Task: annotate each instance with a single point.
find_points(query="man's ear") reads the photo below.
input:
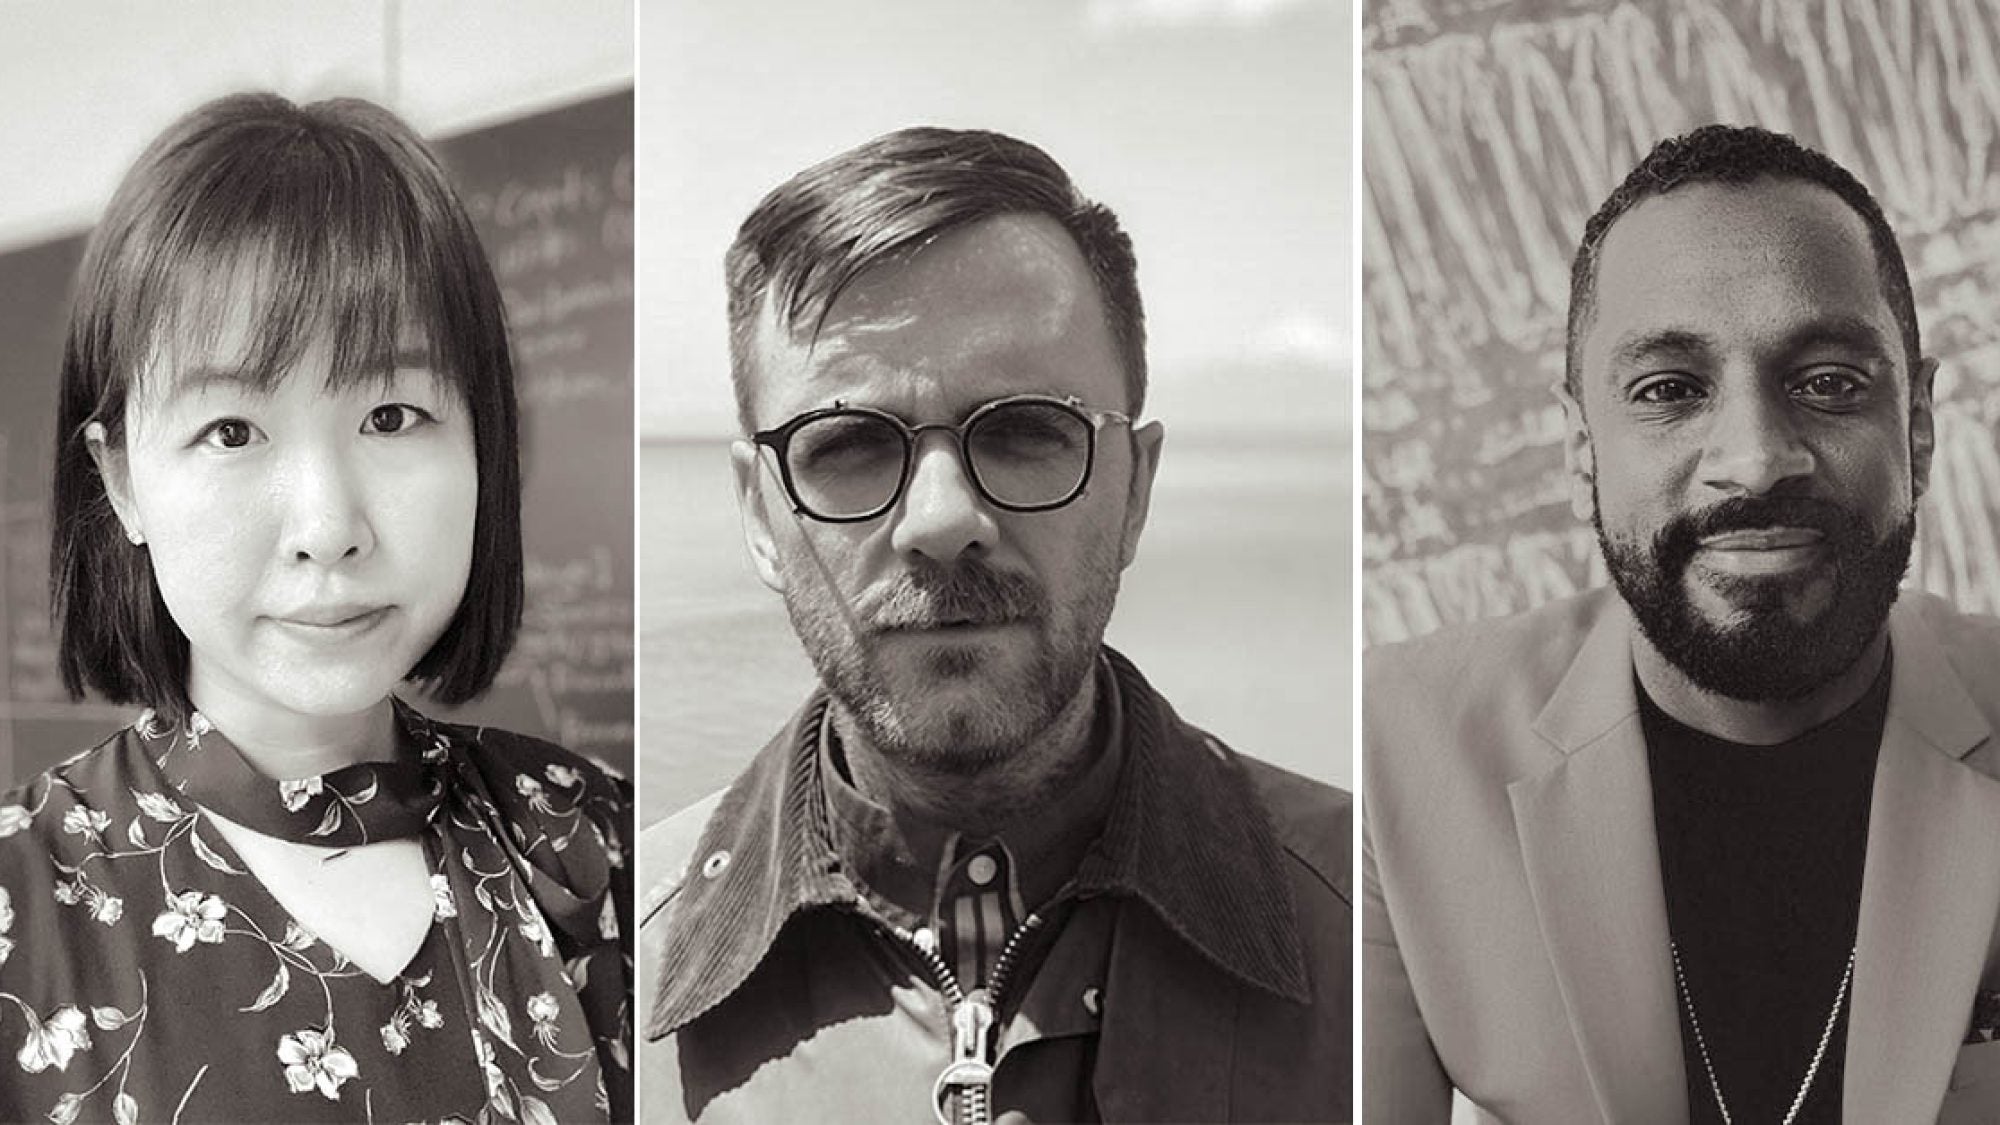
(113, 469)
(1579, 457)
(746, 460)
(1146, 443)
(1923, 425)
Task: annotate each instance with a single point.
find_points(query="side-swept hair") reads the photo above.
(1731, 154)
(808, 240)
(329, 224)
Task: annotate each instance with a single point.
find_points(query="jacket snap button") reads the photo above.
(982, 869)
(715, 865)
(1093, 1001)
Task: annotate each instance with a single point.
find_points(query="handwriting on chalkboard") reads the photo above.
(1493, 130)
(561, 245)
(31, 642)
(554, 207)
(575, 649)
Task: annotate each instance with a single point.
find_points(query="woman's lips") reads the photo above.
(333, 622)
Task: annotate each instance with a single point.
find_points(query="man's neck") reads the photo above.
(984, 803)
(1753, 723)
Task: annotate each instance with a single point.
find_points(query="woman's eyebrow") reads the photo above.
(199, 380)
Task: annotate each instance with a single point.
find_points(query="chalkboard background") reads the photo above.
(1491, 131)
(552, 197)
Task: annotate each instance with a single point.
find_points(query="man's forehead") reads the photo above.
(1005, 299)
(1721, 257)
(1800, 212)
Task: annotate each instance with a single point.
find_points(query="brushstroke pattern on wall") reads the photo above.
(1493, 128)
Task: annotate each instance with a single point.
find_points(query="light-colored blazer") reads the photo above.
(1513, 925)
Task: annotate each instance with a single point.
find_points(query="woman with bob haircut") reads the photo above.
(286, 481)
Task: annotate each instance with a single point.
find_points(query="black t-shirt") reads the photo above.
(1761, 854)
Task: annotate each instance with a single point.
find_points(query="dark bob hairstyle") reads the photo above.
(329, 224)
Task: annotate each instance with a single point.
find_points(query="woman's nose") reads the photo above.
(326, 512)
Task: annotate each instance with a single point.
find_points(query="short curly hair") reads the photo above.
(814, 234)
(1732, 154)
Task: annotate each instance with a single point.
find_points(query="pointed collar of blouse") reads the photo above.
(351, 806)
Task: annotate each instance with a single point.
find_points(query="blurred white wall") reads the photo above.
(86, 83)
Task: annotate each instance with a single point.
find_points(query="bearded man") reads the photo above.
(985, 873)
(1722, 843)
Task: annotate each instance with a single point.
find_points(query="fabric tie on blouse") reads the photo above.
(370, 802)
(365, 803)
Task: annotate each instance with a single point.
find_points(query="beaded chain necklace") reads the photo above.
(1812, 1068)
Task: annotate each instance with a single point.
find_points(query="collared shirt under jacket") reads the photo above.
(1216, 902)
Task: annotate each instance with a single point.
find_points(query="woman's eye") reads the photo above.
(229, 433)
(395, 417)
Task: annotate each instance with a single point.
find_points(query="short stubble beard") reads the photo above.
(909, 726)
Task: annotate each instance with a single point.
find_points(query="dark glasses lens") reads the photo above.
(1029, 454)
(1025, 454)
(845, 465)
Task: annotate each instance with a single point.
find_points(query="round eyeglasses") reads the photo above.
(1024, 453)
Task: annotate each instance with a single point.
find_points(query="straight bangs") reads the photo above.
(317, 255)
(253, 232)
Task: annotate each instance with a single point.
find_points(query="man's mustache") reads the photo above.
(1677, 542)
(968, 592)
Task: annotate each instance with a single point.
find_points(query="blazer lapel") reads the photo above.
(1930, 891)
(1593, 868)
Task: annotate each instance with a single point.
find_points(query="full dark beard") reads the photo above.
(1765, 652)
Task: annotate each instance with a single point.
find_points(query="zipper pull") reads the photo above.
(969, 1075)
(969, 1025)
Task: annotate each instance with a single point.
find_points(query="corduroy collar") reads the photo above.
(1186, 835)
(903, 864)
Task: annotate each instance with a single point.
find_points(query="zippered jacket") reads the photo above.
(1199, 969)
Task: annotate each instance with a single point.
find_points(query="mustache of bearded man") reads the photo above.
(965, 593)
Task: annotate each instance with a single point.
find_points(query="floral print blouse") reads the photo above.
(147, 975)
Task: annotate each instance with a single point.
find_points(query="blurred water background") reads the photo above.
(1219, 131)
(1237, 608)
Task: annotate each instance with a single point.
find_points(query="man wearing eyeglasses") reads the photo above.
(985, 873)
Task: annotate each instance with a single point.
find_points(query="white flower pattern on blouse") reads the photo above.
(312, 1062)
(191, 917)
(295, 793)
(145, 974)
(53, 1041)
